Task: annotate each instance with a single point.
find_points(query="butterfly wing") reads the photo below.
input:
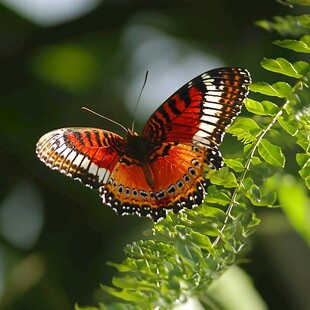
(86, 154)
(200, 111)
(186, 131)
(178, 183)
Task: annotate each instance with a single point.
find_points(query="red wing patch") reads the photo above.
(86, 154)
(202, 109)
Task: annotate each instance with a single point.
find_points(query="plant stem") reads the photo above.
(245, 171)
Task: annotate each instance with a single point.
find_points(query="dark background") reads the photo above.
(55, 235)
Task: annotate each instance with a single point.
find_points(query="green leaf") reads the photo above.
(261, 108)
(302, 46)
(304, 20)
(134, 295)
(290, 127)
(245, 129)
(223, 177)
(256, 160)
(234, 164)
(279, 89)
(281, 65)
(271, 153)
(261, 197)
(296, 205)
(303, 160)
(304, 141)
(201, 240)
(247, 149)
(288, 25)
(191, 254)
(128, 282)
(215, 214)
(218, 197)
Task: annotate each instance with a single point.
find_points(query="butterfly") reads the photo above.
(164, 167)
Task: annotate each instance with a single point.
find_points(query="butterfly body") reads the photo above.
(162, 168)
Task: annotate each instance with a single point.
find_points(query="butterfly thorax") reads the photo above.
(136, 146)
(139, 149)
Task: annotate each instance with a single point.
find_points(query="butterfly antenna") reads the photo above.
(136, 108)
(105, 117)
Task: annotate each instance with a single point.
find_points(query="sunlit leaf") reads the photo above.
(301, 46)
(224, 177)
(245, 129)
(262, 197)
(218, 198)
(261, 108)
(133, 295)
(128, 282)
(281, 65)
(303, 160)
(190, 253)
(289, 126)
(304, 20)
(234, 164)
(201, 240)
(271, 153)
(211, 212)
(247, 149)
(279, 89)
(287, 25)
(256, 160)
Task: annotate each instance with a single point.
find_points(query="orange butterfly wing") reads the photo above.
(178, 183)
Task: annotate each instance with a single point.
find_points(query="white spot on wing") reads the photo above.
(209, 119)
(72, 156)
(200, 136)
(206, 127)
(212, 105)
(65, 152)
(211, 112)
(103, 175)
(93, 169)
(60, 149)
(212, 98)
